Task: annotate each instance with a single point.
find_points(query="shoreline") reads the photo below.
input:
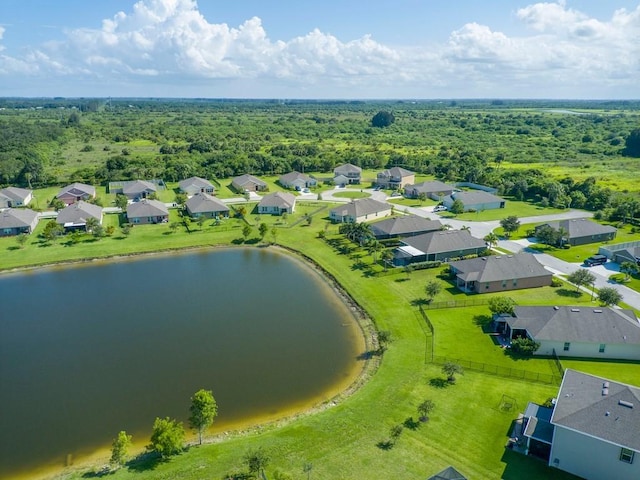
(343, 390)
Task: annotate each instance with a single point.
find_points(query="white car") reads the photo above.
(439, 208)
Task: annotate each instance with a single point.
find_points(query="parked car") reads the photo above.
(440, 208)
(595, 260)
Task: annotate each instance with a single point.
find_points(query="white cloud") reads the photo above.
(166, 41)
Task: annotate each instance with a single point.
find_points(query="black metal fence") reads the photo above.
(456, 303)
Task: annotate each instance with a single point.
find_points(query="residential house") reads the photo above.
(499, 273)
(76, 192)
(353, 173)
(297, 181)
(204, 205)
(14, 221)
(277, 203)
(360, 210)
(395, 178)
(340, 180)
(404, 226)
(594, 428)
(248, 183)
(147, 211)
(136, 189)
(442, 245)
(12, 197)
(629, 254)
(76, 215)
(193, 185)
(582, 331)
(435, 190)
(448, 473)
(580, 231)
(476, 200)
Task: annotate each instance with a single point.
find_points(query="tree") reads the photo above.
(425, 408)
(200, 221)
(174, 226)
(256, 460)
(274, 234)
(632, 143)
(609, 296)
(450, 369)
(246, 231)
(306, 468)
(510, 224)
(629, 268)
(181, 198)
(432, 289)
(581, 277)
(91, 224)
(98, 231)
(122, 201)
(120, 449)
(382, 119)
(241, 211)
(373, 247)
(491, 239)
(263, 229)
(457, 207)
(387, 257)
(22, 239)
(524, 346)
(167, 437)
(384, 339)
(52, 231)
(499, 305)
(204, 410)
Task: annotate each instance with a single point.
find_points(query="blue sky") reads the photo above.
(329, 49)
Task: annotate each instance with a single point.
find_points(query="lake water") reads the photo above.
(87, 351)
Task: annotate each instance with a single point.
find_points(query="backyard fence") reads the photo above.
(501, 371)
(456, 304)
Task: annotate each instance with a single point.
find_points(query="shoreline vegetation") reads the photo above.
(538, 160)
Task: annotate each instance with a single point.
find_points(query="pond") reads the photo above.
(89, 350)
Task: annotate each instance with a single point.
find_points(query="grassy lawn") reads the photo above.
(412, 202)
(512, 207)
(467, 429)
(351, 194)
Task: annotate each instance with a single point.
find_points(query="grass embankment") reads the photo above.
(467, 429)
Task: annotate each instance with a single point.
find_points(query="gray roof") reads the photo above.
(500, 267)
(539, 422)
(396, 172)
(17, 217)
(197, 182)
(147, 208)
(346, 168)
(474, 197)
(600, 408)
(242, 180)
(203, 202)
(581, 227)
(444, 241)
(291, 176)
(448, 473)
(278, 199)
(138, 186)
(431, 187)
(361, 207)
(631, 254)
(578, 324)
(78, 189)
(405, 225)
(78, 213)
(15, 193)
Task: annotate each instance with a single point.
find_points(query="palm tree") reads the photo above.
(373, 247)
(387, 257)
(491, 239)
(91, 223)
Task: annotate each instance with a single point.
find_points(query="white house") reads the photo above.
(476, 200)
(12, 197)
(193, 185)
(360, 211)
(296, 181)
(277, 203)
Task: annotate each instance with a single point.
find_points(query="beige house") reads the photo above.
(12, 197)
(204, 205)
(147, 211)
(15, 221)
(248, 183)
(277, 203)
(349, 172)
(76, 215)
(193, 185)
(395, 178)
(360, 211)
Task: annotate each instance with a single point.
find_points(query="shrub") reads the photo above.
(556, 282)
(524, 346)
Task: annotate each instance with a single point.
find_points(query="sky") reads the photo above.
(330, 49)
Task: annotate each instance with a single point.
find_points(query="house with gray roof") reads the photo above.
(297, 181)
(404, 226)
(582, 331)
(498, 273)
(448, 473)
(248, 183)
(193, 185)
(138, 189)
(147, 211)
(442, 245)
(204, 205)
(12, 197)
(351, 172)
(14, 221)
(360, 210)
(277, 203)
(580, 231)
(474, 200)
(76, 215)
(596, 428)
(435, 190)
(395, 178)
(75, 192)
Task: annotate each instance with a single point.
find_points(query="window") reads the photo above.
(486, 286)
(566, 346)
(504, 283)
(602, 347)
(626, 455)
(515, 282)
